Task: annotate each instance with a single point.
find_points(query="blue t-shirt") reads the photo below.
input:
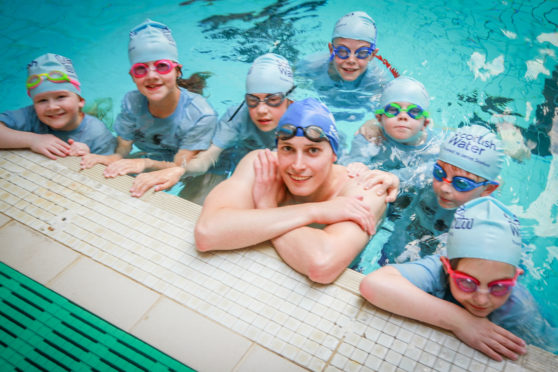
(519, 314)
(347, 100)
(190, 126)
(90, 131)
(412, 164)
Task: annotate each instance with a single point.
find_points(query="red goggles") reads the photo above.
(470, 284)
(162, 67)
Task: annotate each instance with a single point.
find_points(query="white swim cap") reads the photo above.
(356, 25)
(485, 228)
(48, 63)
(474, 149)
(269, 73)
(405, 89)
(151, 41)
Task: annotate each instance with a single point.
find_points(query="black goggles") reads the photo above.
(312, 132)
(273, 100)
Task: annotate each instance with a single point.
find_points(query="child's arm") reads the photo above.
(166, 178)
(389, 290)
(123, 148)
(45, 144)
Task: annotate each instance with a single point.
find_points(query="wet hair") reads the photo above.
(195, 83)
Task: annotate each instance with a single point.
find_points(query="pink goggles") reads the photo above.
(162, 67)
(470, 284)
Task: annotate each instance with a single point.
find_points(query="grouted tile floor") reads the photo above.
(133, 263)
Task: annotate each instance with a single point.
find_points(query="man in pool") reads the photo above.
(315, 215)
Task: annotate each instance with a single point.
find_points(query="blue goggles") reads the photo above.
(393, 109)
(461, 184)
(343, 52)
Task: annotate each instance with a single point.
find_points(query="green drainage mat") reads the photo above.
(41, 330)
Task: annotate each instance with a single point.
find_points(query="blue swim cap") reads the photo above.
(310, 111)
(151, 41)
(52, 62)
(485, 228)
(355, 25)
(474, 149)
(269, 73)
(405, 89)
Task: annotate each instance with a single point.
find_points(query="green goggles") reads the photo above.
(393, 109)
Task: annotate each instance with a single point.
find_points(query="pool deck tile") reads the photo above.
(133, 262)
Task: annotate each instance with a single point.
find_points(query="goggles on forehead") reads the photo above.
(33, 81)
(149, 24)
(162, 67)
(343, 52)
(273, 100)
(470, 284)
(461, 184)
(312, 132)
(393, 109)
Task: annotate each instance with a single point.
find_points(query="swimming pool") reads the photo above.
(487, 61)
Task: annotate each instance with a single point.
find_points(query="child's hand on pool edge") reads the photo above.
(160, 180)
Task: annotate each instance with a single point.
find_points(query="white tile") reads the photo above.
(258, 357)
(33, 254)
(190, 338)
(104, 292)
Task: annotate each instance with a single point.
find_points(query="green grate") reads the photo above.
(41, 330)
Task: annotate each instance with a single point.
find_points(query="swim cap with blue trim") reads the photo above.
(474, 149)
(355, 25)
(485, 228)
(52, 62)
(310, 111)
(151, 41)
(405, 89)
(269, 73)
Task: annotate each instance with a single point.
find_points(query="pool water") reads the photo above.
(490, 62)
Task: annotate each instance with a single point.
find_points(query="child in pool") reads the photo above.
(243, 128)
(471, 292)
(348, 81)
(162, 119)
(54, 125)
(467, 168)
(403, 142)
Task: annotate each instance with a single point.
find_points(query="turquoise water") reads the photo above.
(493, 62)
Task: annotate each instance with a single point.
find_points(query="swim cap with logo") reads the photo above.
(269, 73)
(310, 111)
(52, 62)
(151, 41)
(485, 228)
(357, 26)
(474, 149)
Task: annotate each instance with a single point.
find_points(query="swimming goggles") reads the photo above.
(343, 52)
(393, 109)
(470, 284)
(162, 67)
(273, 100)
(312, 132)
(34, 81)
(461, 184)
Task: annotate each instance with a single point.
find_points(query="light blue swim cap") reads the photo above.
(474, 149)
(405, 89)
(151, 41)
(485, 228)
(269, 73)
(310, 111)
(357, 26)
(52, 62)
